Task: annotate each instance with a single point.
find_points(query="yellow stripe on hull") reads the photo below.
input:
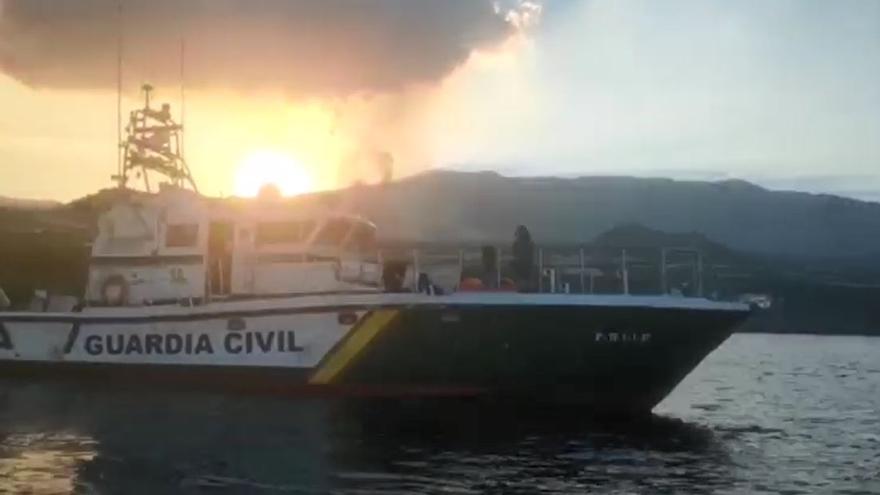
(363, 333)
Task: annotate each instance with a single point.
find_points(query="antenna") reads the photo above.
(182, 94)
(119, 149)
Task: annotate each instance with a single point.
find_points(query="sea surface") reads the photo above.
(763, 414)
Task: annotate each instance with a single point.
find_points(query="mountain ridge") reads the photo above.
(27, 203)
(448, 206)
(486, 206)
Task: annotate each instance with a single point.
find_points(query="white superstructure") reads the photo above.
(176, 246)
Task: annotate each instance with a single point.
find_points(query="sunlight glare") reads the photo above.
(271, 167)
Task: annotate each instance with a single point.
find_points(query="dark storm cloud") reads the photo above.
(301, 47)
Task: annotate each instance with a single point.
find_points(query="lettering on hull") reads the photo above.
(622, 337)
(254, 342)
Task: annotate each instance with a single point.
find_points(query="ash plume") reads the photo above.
(298, 47)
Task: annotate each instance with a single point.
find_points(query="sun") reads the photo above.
(265, 167)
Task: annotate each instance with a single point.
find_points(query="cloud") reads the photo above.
(298, 47)
(689, 89)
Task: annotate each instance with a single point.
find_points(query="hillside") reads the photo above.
(461, 207)
(31, 204)
(477, 207)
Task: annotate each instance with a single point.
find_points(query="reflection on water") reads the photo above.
(42, 463)
(163, 442)
(763, 413)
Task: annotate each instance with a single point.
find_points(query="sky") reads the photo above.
(785, 94)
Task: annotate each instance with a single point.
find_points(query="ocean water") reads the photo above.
(763, 414)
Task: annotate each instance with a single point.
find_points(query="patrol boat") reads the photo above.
(188, 291)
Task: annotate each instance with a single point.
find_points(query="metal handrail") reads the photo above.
(420, 259)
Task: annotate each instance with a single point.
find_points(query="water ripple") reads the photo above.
(764, 414)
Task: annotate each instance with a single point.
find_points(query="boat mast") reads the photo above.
(153, 142)
(118, 176)
(182, 95)
(154, 145)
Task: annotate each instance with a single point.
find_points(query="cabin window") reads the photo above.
(333, 232)
(283, 232)
(181, 235)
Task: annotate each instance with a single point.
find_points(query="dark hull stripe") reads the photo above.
(197, 301)
(323, 308)
(5, 339)
(71, 338)
(99, 320)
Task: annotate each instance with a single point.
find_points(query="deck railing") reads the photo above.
(571, 269)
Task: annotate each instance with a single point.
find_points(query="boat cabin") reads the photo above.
(178, 246)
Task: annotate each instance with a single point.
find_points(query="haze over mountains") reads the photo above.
(446, 206)
(469, 207)
(26, 203)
